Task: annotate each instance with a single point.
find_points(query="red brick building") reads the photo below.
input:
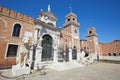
(13, 27)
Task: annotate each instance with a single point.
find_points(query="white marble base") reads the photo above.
(20, 71)
(94, 56)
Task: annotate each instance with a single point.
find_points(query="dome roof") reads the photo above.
(48, 13)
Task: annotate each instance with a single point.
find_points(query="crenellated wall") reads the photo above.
(13, 14)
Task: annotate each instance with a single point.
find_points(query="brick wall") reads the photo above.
(112, 47)
(7, 20)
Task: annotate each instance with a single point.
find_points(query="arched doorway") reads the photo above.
(47, 48)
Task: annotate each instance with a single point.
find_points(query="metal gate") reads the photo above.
(74, 53)
(47, 48)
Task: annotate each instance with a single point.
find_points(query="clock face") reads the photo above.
(76, 33)
(75, 30)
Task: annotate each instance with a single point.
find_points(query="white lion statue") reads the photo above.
(23, 51)
(85, 60)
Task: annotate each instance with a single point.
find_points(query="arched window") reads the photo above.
(114, 54)
(73, 19)
(90, 32)
(16, 30)
(68, 19)
(109, 54)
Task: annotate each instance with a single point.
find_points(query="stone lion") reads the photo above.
(85, 60)
(23, 51)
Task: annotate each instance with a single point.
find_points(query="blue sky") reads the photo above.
(104, 15)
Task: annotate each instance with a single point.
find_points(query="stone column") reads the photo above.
(70, 54)
(30, 57)
(35, 35)
(64, 56)
(78, 55)
(38, 56)
(55, 58)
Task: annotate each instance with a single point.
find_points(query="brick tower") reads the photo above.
(70, 37)
(92, 40)
(72, 29)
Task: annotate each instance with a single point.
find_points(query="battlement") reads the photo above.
(14, 14)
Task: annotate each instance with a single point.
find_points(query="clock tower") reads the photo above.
(72, 28)
(71, 37)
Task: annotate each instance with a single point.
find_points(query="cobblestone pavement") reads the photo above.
(96, 71)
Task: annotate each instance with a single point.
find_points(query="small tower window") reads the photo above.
(68, 19)
(16, 30)
(73, 19)
(90, 32)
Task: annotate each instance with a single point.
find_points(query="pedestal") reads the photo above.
(30, 57)
(70, 55)
(94, 56)
(17, 71)
(37, 57)
(55, 55)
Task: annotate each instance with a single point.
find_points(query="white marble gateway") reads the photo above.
(47, 42)
(47, 35)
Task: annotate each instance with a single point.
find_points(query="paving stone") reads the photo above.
(96, 71)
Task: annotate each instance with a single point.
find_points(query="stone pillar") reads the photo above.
(35, 35)
(38, 56)
(55, 58)
(64, 56)
(30, 57)
(70, 54)
(78, 55)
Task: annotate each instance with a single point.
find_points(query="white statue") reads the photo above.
(85, 59)
(23, 51)
(49, 8)
(82, 54)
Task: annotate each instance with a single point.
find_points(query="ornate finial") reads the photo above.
(70, 8)
(49, 7)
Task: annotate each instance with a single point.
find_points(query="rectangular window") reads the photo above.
(12, 50)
